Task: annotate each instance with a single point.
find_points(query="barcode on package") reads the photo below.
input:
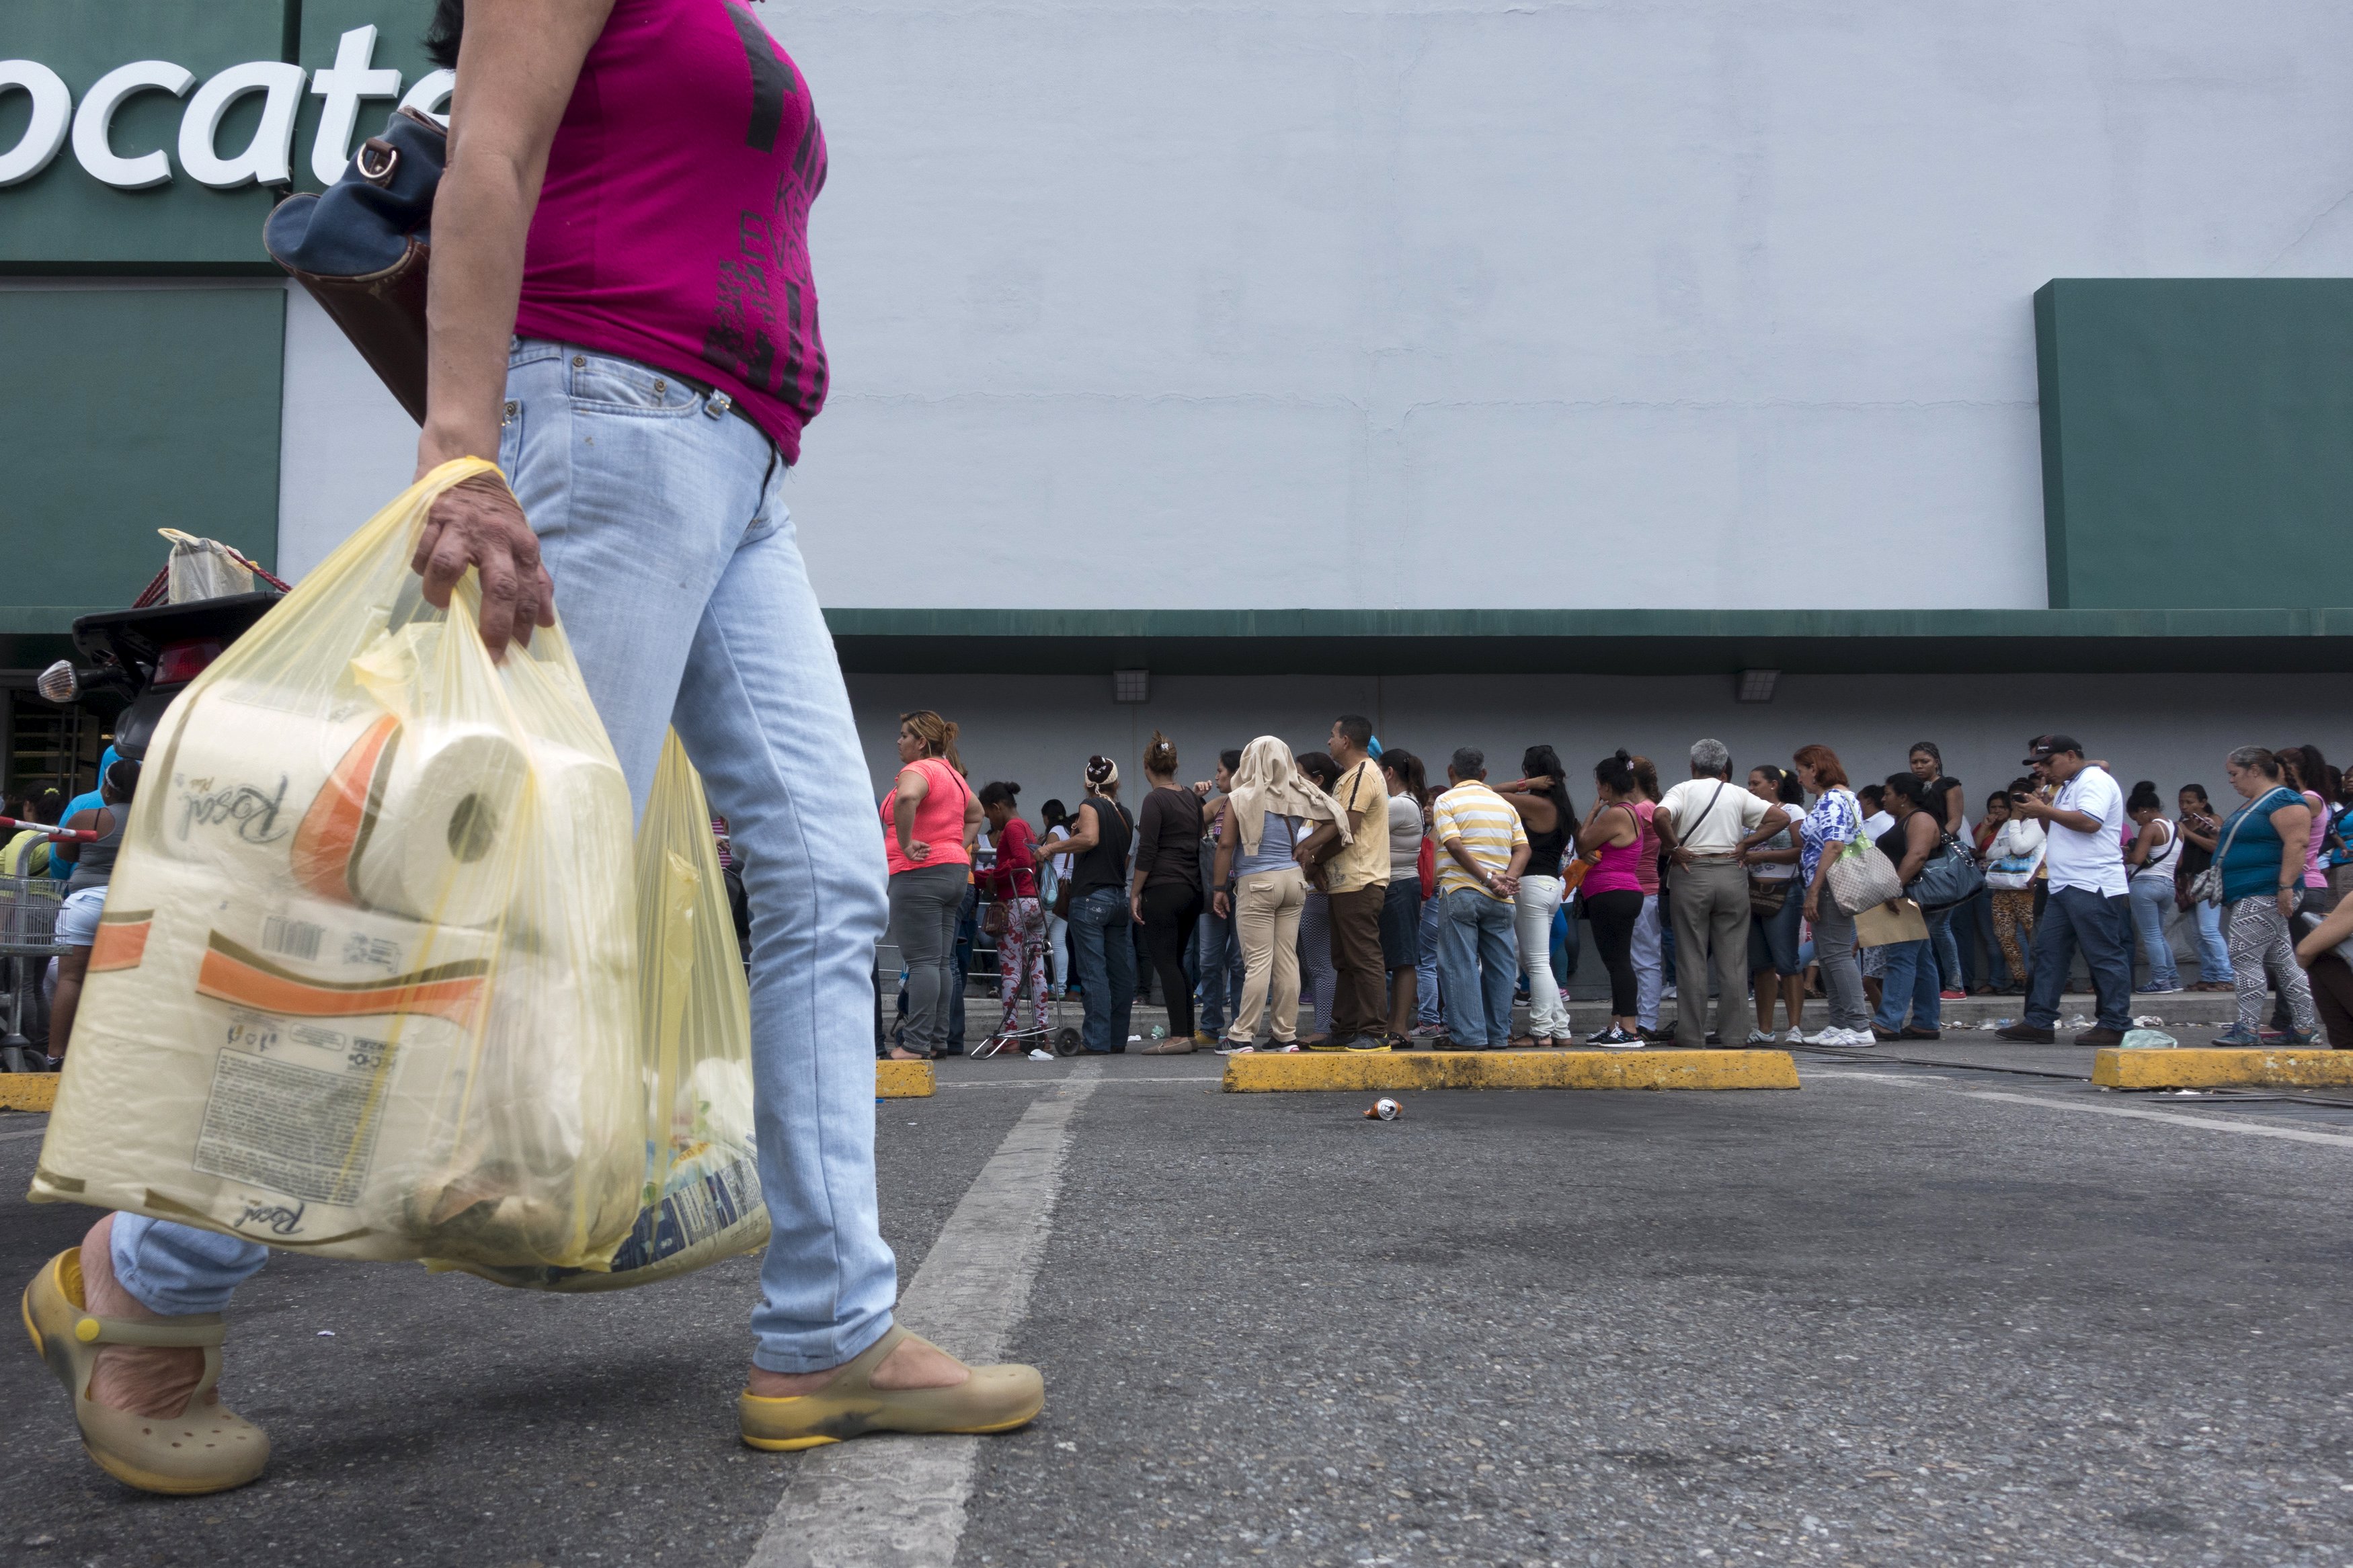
(295, 939)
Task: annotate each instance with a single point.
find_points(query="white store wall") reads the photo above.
(1669, 304)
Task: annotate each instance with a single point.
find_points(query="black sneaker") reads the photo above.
(2026, 1034)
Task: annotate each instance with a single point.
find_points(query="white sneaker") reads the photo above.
(1859, 1037)
(1759, 1038)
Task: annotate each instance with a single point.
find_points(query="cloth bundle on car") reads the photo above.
(368, 982)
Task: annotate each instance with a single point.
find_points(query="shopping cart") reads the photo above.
(1059, 1037)
(28, 923)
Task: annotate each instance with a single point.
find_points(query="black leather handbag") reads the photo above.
(362, 248)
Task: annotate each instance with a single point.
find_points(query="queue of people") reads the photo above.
(1337, 901)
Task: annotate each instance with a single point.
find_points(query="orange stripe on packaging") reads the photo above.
(234, 972)
(122, 940)
(335, 831)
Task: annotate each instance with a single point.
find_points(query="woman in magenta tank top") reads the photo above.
(1615, 837)
(623, 314)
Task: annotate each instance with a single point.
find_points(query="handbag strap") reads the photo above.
(1684, 836)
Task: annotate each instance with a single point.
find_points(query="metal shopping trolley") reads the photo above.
(1059, 1037)
(28, 923)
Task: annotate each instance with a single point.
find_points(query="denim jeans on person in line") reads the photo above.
(1218, 968)
(683, 591)
(2078, 917)
(1478, 956)
(1909, 992)
(1429, 1007)
(1649, 960)
(1947, 948)
(1103, 950)
(2213, 953)
(2152, 905)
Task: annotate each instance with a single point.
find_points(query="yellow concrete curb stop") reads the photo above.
(902, 1080)
(1272, 1072)
(29, 1090)
(2223, 1068)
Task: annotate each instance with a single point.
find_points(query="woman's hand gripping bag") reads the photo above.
(700, 1201)
(365, 985)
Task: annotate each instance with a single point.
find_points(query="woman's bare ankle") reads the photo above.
(145, 1380)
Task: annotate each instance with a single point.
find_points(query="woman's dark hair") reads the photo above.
(1910, 786)
(45, 805)
(999, 794)
(2144, 797)
(1410, 772)
(1231, 760)
(1871, 795)
(2023, 786)
(1828, 771)
(2311, 769)
(1935, 755)
(1160, 754)
(441, 34)
(1544, 762)
(1645, 775)
(2001, 796)
(122, 778)
(1054, 814)
(1616, 772)
(1792, 792)
(2200, 790)
(1319, 766)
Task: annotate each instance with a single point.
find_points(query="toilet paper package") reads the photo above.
(697, 1197)
(366, 984)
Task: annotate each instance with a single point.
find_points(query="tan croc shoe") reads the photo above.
(993, 1399)
(205, 1448)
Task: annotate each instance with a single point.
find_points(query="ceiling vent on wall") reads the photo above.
(1131, 685)
(1756, 685)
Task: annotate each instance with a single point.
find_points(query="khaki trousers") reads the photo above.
(1266, 918)
(1709, 903)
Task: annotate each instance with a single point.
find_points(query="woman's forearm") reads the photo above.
(481, 213)
(902, 819)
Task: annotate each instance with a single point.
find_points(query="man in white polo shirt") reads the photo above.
(1704, 823)
(2089, 904)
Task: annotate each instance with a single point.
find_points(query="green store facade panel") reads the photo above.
(125, 410)
(2197, 442)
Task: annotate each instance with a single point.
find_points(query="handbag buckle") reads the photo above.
(375, 161)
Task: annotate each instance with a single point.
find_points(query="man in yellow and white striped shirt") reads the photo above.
(1483, 849)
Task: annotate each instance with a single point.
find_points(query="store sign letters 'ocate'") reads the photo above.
(267, 159)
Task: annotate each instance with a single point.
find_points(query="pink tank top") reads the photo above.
(672, 228)
(1646, 854)
(1614, 872)
(939, 818)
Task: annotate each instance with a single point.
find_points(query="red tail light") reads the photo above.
(182, 662)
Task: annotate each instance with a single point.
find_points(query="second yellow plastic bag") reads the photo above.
(366, 982)
(702, 1198)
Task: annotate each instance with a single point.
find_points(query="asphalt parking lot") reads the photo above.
(1911, 1313)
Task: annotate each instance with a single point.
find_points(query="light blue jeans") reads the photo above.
(2152, 905)
(2213, 956)
(682, 587)
(1426, 983)
(1478, 960)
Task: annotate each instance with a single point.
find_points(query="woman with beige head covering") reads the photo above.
(1274, 806)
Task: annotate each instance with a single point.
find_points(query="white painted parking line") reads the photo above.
(1896, 1078)
(2250, 1128)
(899, 1502)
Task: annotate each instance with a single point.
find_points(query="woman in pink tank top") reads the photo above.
(1615, 839)
(623, 316)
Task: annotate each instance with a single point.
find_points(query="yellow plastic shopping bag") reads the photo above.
(701, 1198)
(366, 982)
